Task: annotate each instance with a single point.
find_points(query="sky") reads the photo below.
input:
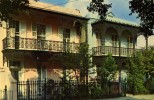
(120, 8)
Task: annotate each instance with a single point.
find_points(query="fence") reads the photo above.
(47, 90)
(59, 90)
(6, 95)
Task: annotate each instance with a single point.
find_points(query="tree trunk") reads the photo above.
(146, 39)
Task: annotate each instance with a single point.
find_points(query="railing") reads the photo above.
(36, 44)
(47, 90)
(105, 50)
(60, 90)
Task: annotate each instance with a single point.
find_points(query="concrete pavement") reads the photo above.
(133, 97)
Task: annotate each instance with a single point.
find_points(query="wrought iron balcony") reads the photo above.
(105, 50)
(41, 45)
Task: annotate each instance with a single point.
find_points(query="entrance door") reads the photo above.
(42, 73)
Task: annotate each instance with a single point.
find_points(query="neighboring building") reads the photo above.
(33, 40)
(115, 36)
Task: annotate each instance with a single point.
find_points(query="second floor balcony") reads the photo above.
(16, 43)
(105, 50)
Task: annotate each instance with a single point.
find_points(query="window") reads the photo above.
(34, 29)
(14, 24)
(66, 35)
(114, 40)
(130, 42)
(39, 31)
(14, 65)
(98, 39)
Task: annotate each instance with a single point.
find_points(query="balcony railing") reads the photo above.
(42, 45)
(105, 50)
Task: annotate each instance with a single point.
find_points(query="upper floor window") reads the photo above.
(98, 38)
(14, 24)
(66, 35)
(114, 40)
(38, 30)
(130, 42)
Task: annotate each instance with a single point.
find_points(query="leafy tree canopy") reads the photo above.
(100, 7)
(145, 11)
(12, 7)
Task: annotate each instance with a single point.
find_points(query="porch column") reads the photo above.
(119, 64)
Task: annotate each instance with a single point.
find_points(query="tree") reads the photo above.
(100, 7)
(80, 61)
(12, 7)
(136, 73)
(107, 70)
(144, 10)
(148, 60)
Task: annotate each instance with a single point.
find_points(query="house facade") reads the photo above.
(32, 41)
(115, 36)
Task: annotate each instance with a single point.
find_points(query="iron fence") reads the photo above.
(47, 90)
(60, 90)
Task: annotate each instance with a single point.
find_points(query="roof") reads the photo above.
(113, 19)
(55, 9)
(121, 21)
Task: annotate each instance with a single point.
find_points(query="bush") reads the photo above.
(95, 92)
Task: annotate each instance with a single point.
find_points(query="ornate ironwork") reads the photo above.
(105, 50)
(42, 45)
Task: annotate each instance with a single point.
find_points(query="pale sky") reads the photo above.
(120, 8)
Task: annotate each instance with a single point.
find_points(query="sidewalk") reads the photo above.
(133, 97)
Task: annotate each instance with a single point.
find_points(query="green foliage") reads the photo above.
(144, 10)
(136, 74)
(80, 61)
(100, 7)
(107, 71)
(95, 92)
(148, 60)
(108, 68)
(12, 7)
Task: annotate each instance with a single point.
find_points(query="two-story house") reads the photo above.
(115, 36)
(31, 41)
